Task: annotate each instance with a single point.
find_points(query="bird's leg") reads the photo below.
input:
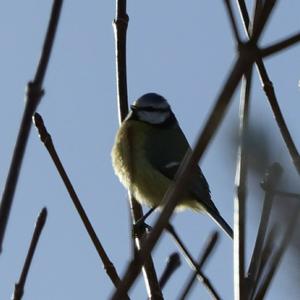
(145, 216)
(140, 223)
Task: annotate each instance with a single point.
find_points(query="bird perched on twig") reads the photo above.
(146, 155)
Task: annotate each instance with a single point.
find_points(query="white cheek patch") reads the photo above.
(153, 117)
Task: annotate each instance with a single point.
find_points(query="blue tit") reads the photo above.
(146, 155)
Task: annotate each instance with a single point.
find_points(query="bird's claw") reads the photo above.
(140, 227)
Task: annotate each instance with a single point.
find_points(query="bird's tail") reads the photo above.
(221, 222)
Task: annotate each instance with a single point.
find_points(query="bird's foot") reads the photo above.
(140, 227)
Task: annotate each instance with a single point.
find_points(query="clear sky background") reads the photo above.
(181, 49)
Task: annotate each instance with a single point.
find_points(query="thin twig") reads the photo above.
(270, 180)
(270, 93)
(208, 248)
(39, 225)
(33, 96)
(244, 13)
(173, 195)
(47, 141)
(193, 265)
(173, 263)
(265, 258)
(258, 6)
(277, 256)
(120, 26)
(241, 191)
(232, 20)
(262, 19)
(279, 46)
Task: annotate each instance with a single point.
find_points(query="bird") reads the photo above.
(148, 149)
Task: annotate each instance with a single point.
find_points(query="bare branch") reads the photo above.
(33, 97)
(208, 248)
(285, 194)
(279, 46)
(262, 18)
(196, 268)
(232, 21)
(277, 256)
(173, 263)
(48, 43)
(258, 7)
(266, 255)
(244, 13)
(120, 26)
(270, 93)
(47, 141)
(270, 180)
(240, 196)
(39, 225)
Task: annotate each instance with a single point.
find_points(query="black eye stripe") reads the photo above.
(149, 108)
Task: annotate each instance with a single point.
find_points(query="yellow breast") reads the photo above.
(146, 184)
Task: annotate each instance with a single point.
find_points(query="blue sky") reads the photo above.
(181, 50)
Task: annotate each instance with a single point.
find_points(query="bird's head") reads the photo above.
(151, 108)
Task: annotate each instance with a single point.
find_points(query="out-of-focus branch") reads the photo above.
(232, 21)
(47, 141)
(270, 93)
(19, 287)
(33, 96)
(277, 256)
(208, 248)
(271, 179)
(173, 263)
(280, 193)
(257, 10)
(120, 26)
(241, 190)
(266, 255)
(262, 18)
(194, 266)
(279, 46)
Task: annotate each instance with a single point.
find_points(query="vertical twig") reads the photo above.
(208, 248)
(33, 96)
(277, 256)
(240, 196)
(19, 287)
(120, 26)
(270, 181)
(262, 18)
(232, 21)
(265, 258)
(258, 6)
(47, 141)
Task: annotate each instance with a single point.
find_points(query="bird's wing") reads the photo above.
(167, 157)
(197, 187)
